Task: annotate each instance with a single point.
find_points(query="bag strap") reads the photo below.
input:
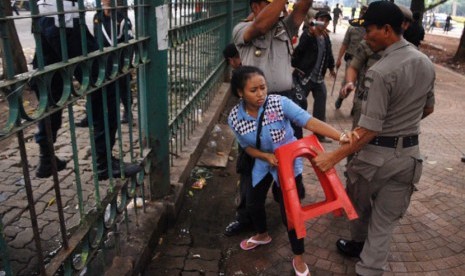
(259, 129)
(288, 35)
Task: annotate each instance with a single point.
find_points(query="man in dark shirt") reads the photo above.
(337, 12)
(122, 23)
(311, 58)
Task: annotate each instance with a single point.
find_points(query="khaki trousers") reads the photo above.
(380, 184)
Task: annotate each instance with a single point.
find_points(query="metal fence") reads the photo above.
(55, 225)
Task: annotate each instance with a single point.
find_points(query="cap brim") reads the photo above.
(357, 22)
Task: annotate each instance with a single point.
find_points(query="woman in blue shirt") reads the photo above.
(248, 83)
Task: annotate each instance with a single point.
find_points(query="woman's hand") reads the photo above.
(271, 159)
(348, 137)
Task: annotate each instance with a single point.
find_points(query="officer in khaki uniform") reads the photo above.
(381, 177)
(266, 42)
(354, 35)
(361, 61)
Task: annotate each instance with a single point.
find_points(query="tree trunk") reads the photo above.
(417, 6)
(19, 61)
(460, 54)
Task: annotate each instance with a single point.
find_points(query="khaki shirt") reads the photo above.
(399, 86)
(270, 52)
(363, 59)
(352, 38)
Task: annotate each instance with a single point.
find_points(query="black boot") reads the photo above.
(338, 102)
(44, 169)
(83, 123)
(125, 118)
(349, 248)
(102, 168)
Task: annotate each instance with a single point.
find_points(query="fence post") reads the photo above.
(154, 104)
(229, 21)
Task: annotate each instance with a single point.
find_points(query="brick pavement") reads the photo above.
(430, 239)
(13, 208)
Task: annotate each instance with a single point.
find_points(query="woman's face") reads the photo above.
(254, 92)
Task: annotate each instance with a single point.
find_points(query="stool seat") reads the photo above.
(336, 197)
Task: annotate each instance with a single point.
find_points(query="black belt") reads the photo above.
(391, 142)
(348, 57)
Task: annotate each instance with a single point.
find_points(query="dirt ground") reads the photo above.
(441, 50)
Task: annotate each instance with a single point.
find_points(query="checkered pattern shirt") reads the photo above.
(276, 131)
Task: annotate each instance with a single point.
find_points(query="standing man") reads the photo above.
(231, 56)
(311, 59)
(447, 24)
(354, 9)
(266, 42)
(381, 177)
(103, 21)
(52, 51)
(13, 7)
(337, 12)
(354, 35)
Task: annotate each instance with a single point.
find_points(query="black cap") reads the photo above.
(380, 13)
(258, 1)
(323, 14)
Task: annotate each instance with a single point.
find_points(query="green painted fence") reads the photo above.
(56, 225)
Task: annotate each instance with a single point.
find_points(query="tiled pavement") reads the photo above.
(430, 239)
(13, 208)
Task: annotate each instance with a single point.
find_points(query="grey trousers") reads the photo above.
(380, 184)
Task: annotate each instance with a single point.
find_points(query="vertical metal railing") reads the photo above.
(58, 224)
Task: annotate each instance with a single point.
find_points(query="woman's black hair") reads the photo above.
(240, 76)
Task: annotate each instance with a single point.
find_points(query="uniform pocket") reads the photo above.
(417, 170)
(365, 165)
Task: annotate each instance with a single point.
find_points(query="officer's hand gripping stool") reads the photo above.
(336, 197)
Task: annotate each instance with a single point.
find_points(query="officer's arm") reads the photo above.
(340, 55)
(300, 11)
(351, 77)
(351, 74)
(326, 160)
(265, 20)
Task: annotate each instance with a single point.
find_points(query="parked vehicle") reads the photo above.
(439, 20)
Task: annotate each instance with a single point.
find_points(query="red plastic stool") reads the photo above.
(336, 197)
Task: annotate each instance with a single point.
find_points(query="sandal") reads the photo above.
(254, 242)
(297, 273)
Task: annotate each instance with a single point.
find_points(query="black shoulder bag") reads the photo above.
(245, 162)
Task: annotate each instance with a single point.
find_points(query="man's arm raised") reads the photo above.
(264, 20)
(301, 8)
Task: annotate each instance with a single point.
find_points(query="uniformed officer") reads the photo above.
(51, 46)
(361, 61)
(381, 177)
(103, 22)
(354, 35)
(51, 51)
(266, 42)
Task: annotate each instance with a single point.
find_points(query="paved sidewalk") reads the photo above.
(430, 239)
